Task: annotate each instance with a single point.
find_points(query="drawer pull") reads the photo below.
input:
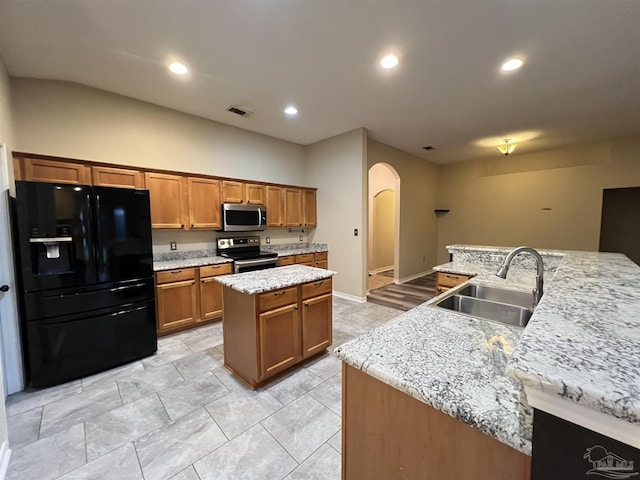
(317, 284)
(453, 277)
(306, 304)
(296, 307)
(173, 272)
(279, 293)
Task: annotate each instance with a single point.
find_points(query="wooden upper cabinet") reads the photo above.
(292, 207)
(36, 170)
(232, 191)
(254, 194)
(204, 203)
(117, 177)
(166, 197)
(309, 208)
(275, 206)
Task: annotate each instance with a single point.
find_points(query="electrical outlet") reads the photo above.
(173, 245)
(268, 240)
(355, 232)
(301, 238)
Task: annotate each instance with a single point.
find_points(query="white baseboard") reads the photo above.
(381, 269)
(348, 296)
(5, 455)
(413, 277)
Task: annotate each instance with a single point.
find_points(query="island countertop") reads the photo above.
(269, 279)
(582, 344)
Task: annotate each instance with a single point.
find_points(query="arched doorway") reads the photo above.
(384, 225)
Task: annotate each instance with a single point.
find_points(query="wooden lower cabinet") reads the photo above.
(187, 298)
(177, 302)
(318, 260)
(279, 339)
(386, 434)
(270, 332)
(446, 280)
(286, 260)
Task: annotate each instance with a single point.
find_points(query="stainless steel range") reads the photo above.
(246, 254)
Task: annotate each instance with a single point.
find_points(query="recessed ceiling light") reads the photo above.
(389, 61)
(512, 64)
(291, 110)
(178, 68)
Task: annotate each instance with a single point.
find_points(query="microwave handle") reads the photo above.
(260, 217)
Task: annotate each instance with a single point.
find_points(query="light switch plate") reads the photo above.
(173, 245)
(268, 240)
(301, 237)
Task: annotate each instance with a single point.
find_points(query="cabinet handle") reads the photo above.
(279, 293)
(192, 225)
(176, 271)
(306, 304)
(296, 307)
(182, 226)
(317, 284)
(453, 277)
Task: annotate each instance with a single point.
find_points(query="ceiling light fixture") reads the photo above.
(178, 68)
(291, 110)
(389, 61)
(512, 64)
(507, 148)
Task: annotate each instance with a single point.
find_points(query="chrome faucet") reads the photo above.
(504, 268)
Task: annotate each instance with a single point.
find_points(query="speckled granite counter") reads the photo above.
(582, 344)
(273, 278)
(189, 262)
(284, 250)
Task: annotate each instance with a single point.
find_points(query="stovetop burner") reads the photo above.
(243, 248)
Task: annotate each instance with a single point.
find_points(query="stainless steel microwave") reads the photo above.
(243, 218)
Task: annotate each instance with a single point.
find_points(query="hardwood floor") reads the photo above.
(407, 295)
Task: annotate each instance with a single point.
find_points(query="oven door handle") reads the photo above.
(239, 264)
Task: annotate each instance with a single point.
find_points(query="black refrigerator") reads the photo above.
(85, 273)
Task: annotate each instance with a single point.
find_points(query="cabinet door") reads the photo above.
(316, 325)
(204, 203)
(37, 170)
(117, 177)
(254, 194)
(293, 207)
(165, 195)
(232, 192)
(211, 291)
(309, 208)
(279, 341)
(177, 306)
(321, 264)
(275, 206)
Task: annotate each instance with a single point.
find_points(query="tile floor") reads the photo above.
(181, 415)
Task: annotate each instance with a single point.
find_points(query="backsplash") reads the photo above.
(494, 256)
(282, 248)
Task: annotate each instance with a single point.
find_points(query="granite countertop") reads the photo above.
(582, 344)
(161, 265)
(273, 278)
(284, 250)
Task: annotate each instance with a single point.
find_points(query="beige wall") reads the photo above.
(417, 200)
(547, 200)
(70, 120)
(338, 168)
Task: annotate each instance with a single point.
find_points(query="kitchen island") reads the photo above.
(581, 348)
(275, 319)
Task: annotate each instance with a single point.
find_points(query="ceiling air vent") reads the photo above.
(240, 111)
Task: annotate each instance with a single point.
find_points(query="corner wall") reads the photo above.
(549, 200)
(337, 166)
(417, 197)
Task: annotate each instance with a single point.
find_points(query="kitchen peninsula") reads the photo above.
(433, 390)
(274, 319)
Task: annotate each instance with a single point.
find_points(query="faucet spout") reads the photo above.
(504, 268)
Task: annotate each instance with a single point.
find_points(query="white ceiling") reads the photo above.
(580, 82)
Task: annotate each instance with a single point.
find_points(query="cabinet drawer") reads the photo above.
(212, 270)
(175, 275)
(288, 260)
(313, 289)
(304, 258)
(320, 256)
(450, 279)
(278, 298)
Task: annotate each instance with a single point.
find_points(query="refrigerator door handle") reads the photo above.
(51, 240)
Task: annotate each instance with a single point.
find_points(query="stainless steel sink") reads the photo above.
(488, 310)
(512, 297)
